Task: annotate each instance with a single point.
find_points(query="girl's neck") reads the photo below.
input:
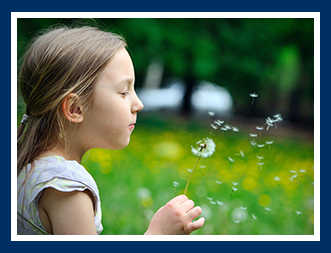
(58, 151)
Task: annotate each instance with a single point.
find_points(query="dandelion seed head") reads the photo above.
(205, 149)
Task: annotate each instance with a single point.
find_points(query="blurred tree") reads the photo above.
(273, 57)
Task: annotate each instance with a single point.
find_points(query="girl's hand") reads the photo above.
(176, 218)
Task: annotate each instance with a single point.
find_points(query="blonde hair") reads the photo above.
(59, 62)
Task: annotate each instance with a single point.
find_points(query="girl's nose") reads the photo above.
(138, 105)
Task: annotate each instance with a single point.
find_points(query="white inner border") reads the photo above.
(314, 15)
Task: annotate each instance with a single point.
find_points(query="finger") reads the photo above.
(191, 226)
(194, 213)
(187, 205)
(178, 200)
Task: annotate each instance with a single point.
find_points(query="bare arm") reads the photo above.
(65, 213)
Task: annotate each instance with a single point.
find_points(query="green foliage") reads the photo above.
(138, 180)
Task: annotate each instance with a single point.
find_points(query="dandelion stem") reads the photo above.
(188, 182)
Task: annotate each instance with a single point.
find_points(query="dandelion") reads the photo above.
(205, 149)
(253, 96)
(269, 143)
(259, 129)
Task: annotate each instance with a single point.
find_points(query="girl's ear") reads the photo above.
(72, 110)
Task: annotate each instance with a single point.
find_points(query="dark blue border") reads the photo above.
(176, 6)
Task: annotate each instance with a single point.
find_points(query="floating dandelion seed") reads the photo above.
(205, 149)
(189, 170)
(175, 184)
(235, 183)
(236, 221)
(210, 199)
(302, 171)
(260, 157)
(267, 209)
(260, 164)
(253, 96)
(219, 203)
(219, 122)
(277, 118)
(234, 189)
(254, 217)
(259, 129)
(214, 126)
(269, 143)
(293, 171)
(253, 136)
(235, 129)
(298, 213)
(218, 182)
(253, 143)
(276, 178)
(230, 159)
(241, 154)
(260, 146)
(243, 208)
(211, 114)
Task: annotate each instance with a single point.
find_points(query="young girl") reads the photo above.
(78, 86)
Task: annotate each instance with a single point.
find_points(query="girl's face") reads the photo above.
(111, 118)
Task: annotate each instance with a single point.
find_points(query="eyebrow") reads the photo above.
(128, 80)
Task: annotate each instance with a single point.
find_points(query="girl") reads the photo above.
(78, 86)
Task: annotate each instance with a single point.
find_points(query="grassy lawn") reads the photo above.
(135, 182)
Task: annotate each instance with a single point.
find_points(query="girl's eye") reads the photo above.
(125, 93)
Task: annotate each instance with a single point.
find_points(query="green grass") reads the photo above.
(136, 181)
